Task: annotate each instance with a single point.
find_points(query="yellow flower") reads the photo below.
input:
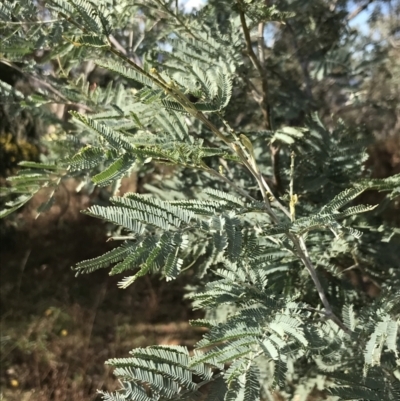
(14, 383)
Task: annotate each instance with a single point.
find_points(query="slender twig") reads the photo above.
(327, 316)
(121, 238)
(358, 265)
(254, 88)
(188, 266)
(302, 250)
(204, 382)
(77, 105)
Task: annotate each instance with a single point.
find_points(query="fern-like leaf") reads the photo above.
(115, 171)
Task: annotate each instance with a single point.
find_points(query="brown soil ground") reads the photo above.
(58, 330)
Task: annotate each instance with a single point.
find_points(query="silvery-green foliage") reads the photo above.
(264, 261)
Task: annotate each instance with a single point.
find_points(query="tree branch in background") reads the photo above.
(275, 157)
(260, 40)
(48, 86)
(257, 64)
(117, 45)
(176, 16)
(121, 48)
(305, 258)
(303, 64)
(229, 182)
(359, 10)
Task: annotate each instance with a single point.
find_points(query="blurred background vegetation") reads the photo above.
(337, 57)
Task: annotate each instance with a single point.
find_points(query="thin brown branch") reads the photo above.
(259, 67)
